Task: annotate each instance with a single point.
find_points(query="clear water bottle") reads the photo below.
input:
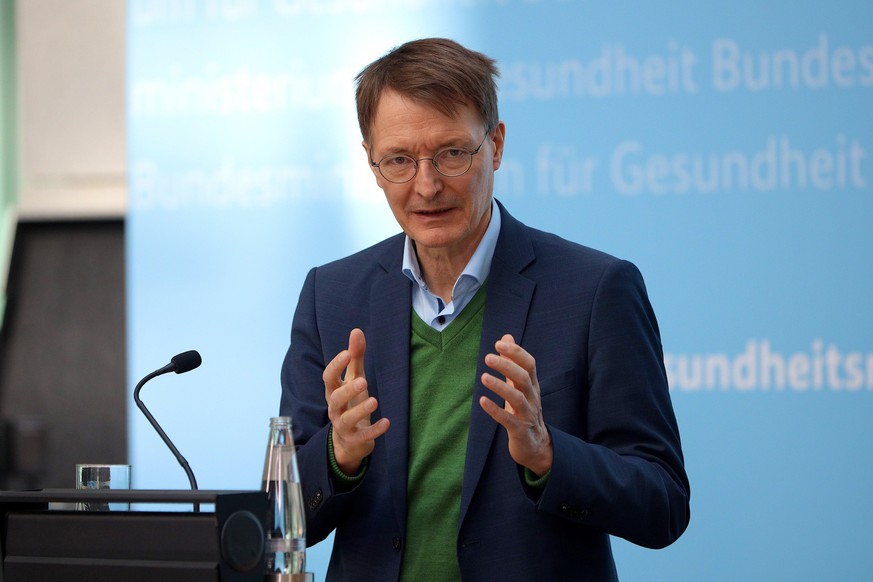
(286, 530)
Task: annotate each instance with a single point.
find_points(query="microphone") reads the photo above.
(180, 363)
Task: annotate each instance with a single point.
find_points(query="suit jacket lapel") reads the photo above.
(506, 309)
(388, 347)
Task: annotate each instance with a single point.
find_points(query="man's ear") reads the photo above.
(498, 135)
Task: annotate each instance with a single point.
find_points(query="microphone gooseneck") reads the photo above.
(180, 363)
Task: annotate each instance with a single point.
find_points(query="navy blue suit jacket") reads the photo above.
(618, 467)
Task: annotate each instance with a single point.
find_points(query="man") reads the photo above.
(474, 399)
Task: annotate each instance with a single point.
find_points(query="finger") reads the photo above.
(507, 348)
(357, 347)
(375, 430)
(499, 414)
(517, 365)
(353, 427)
(515, 399)
(359, 414)
(516, 376)
(332, 375)
(341, 398)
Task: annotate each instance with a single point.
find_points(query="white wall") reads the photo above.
(71, 64)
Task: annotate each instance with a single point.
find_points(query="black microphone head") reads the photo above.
(186, 361)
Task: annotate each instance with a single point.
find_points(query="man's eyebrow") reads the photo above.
(396, 150)
(458, 142)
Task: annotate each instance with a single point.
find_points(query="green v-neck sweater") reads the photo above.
(442, 376)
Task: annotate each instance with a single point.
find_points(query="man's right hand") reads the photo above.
(349, 406)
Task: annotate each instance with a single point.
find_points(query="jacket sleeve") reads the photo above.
(626, 474)
(303, 400)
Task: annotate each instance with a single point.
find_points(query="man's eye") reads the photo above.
(452, 153)
(397, 161)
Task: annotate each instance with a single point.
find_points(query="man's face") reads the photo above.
(441, 214)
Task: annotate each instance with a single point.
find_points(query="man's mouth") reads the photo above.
(432, 212)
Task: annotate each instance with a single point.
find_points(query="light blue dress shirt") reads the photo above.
(431, 308)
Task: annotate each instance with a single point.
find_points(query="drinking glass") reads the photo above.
(93, 476)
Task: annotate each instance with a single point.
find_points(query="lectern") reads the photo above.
(41, 543)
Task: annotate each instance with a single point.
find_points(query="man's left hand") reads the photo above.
(530, 444)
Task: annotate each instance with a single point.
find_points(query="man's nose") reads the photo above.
(428, 182)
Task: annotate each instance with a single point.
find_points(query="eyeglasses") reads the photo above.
(450, 162)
